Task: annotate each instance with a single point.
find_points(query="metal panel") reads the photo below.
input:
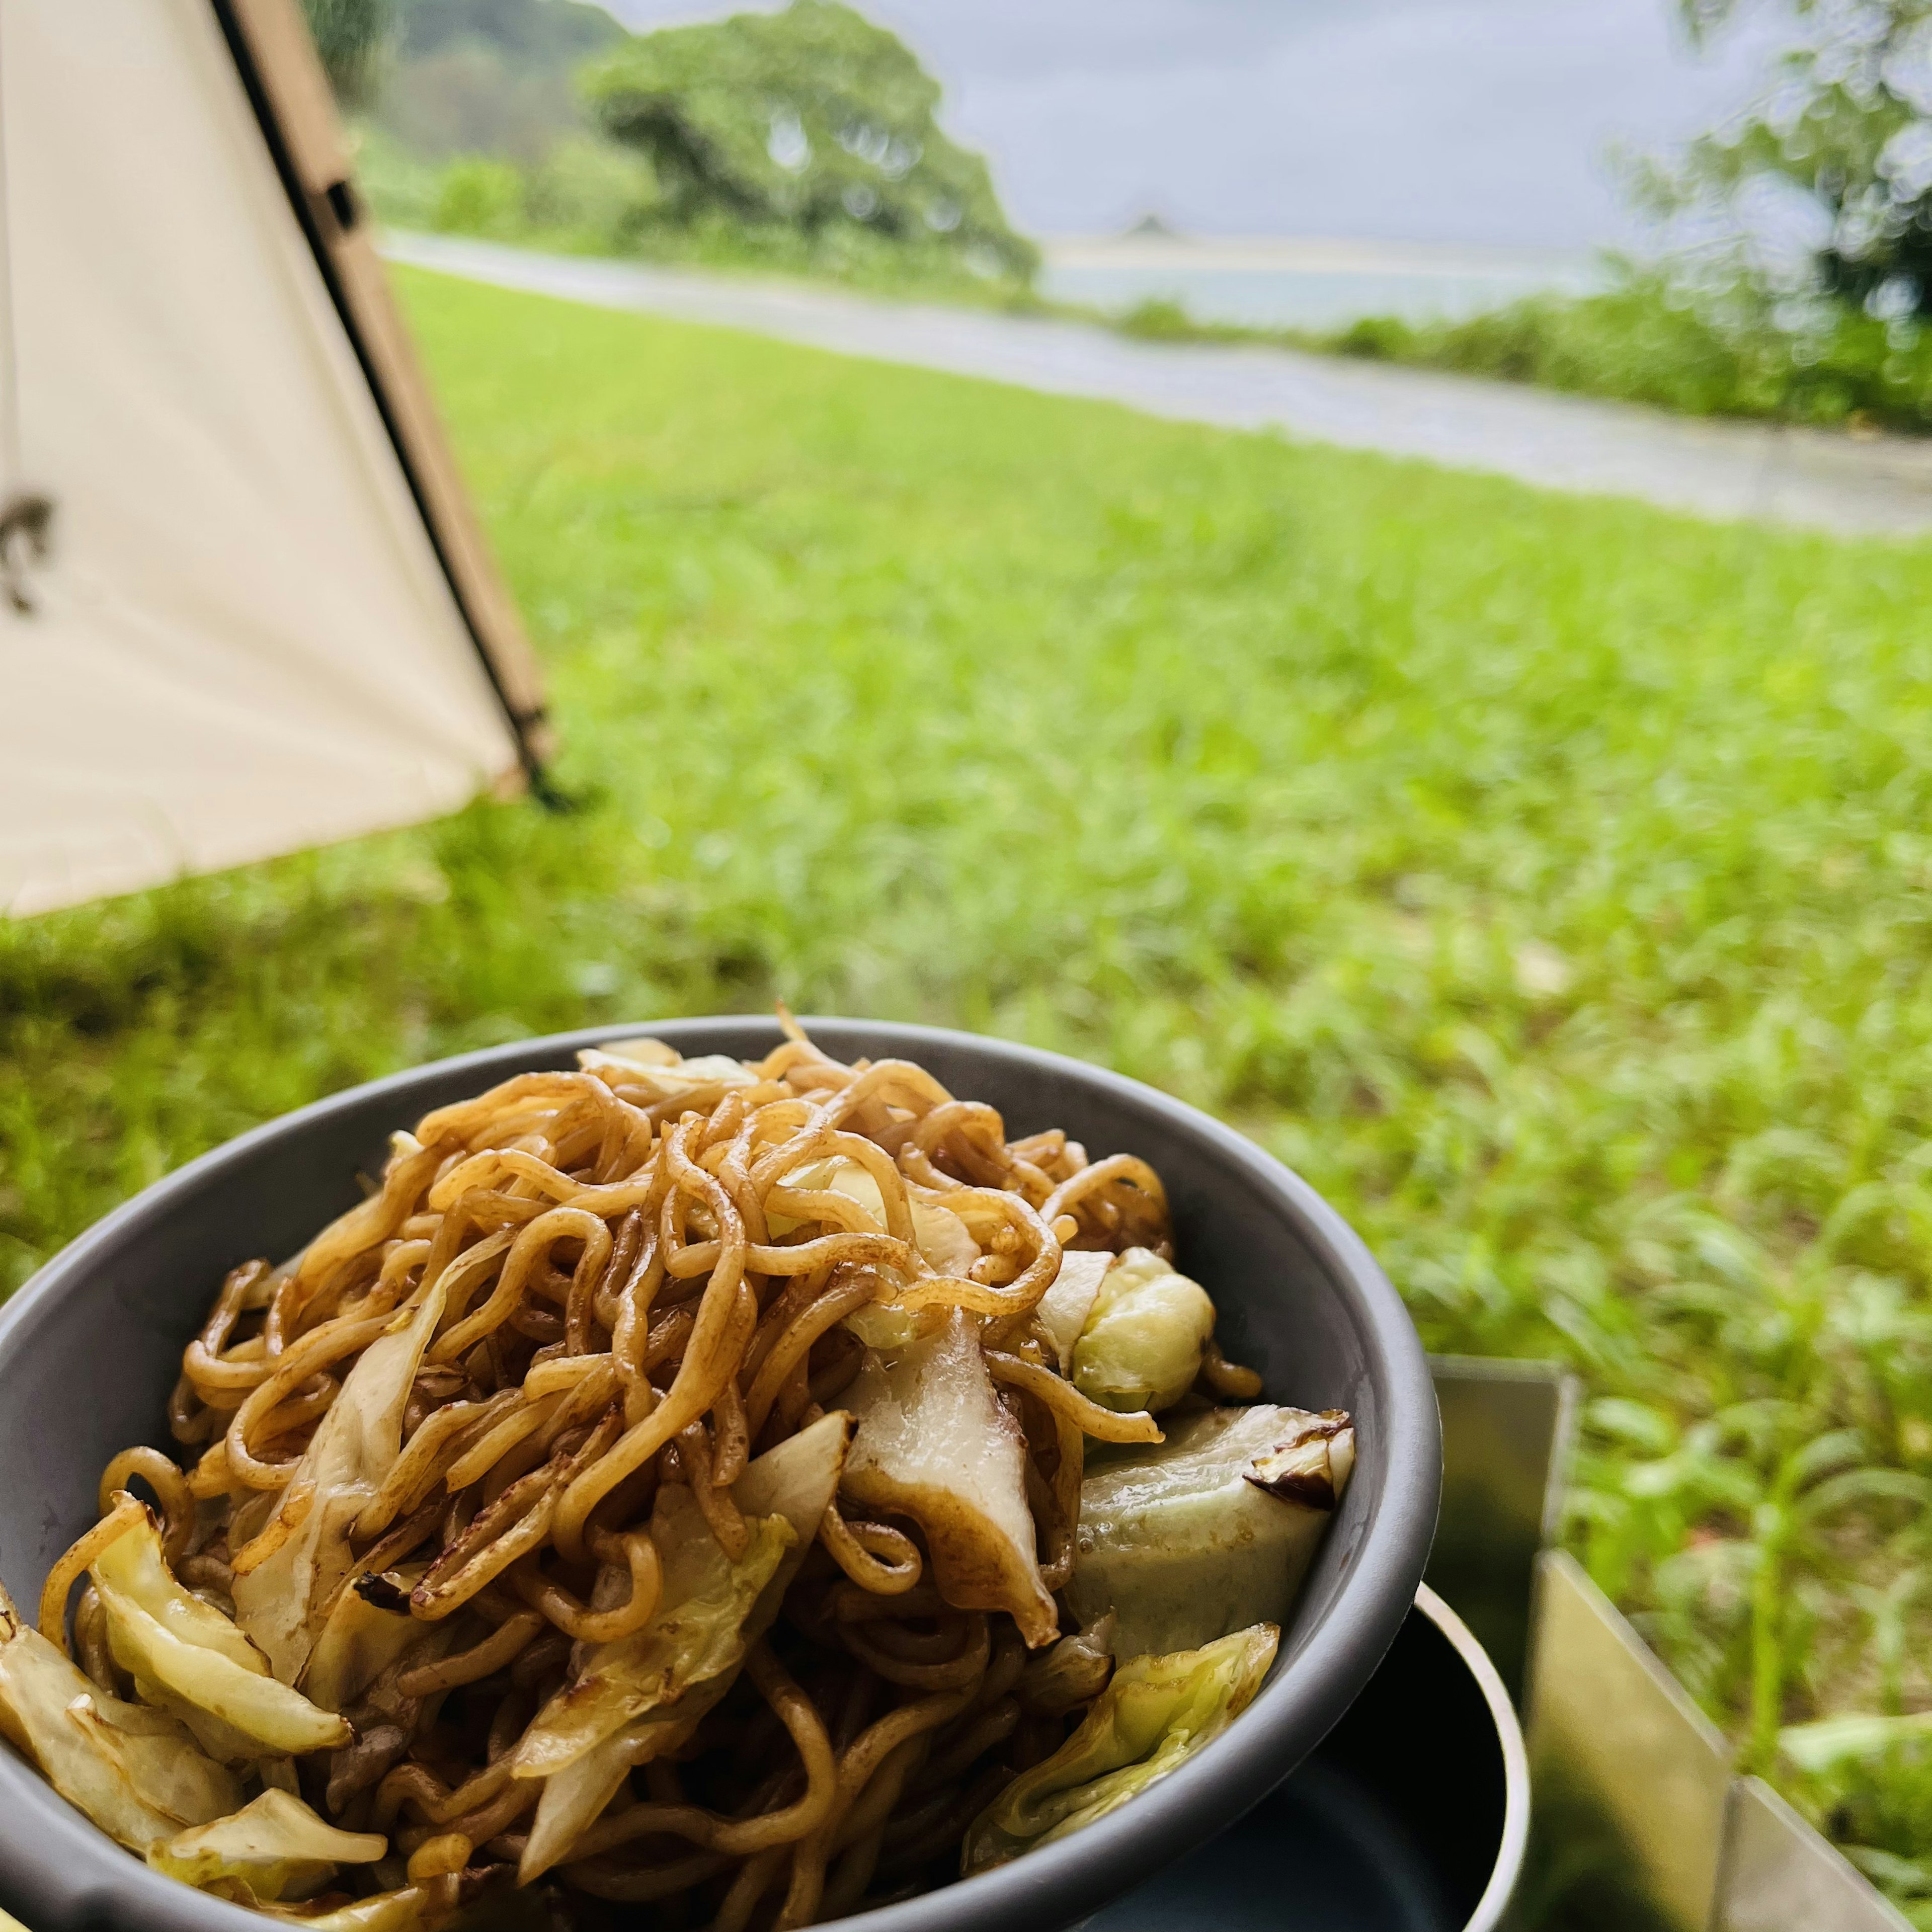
(1492, 1909)
(1506, 1428)
(1779, 1876)
(1630, 1777)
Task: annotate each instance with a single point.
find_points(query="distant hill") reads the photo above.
(545, 31)
(489, 77)
(805, 140)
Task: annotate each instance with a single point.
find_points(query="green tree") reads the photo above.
(478, 195)
(1848, 123)
(351, 37)
(811, 118)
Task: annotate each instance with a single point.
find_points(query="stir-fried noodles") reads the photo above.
(665, 1488)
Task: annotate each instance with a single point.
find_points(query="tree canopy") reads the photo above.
(806, 118)
(350, 36)
(1850, 125)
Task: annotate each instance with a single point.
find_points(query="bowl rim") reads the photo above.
(65, 1873)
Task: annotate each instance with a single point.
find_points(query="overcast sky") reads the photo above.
(1472, 120)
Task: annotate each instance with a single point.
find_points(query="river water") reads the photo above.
(1306, 284)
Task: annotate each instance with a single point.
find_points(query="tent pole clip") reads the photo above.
(26, 527)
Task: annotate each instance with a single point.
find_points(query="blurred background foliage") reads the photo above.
(1692, 344)
(1847, 125)
(1797, 281)
(351, 37)
(805, 140)
(802, 119)
(476, 77)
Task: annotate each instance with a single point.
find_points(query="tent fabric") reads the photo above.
(270, 39)
(244, 641)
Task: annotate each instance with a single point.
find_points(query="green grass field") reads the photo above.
(1550, 881)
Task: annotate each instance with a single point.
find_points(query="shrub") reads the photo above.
(592, 192)
(1160, 318)
(1377, 338)
(478, 195)
(1722, 353)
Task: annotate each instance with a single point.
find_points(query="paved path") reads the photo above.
(1718, 469)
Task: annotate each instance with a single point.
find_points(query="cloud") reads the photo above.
(1472, 121)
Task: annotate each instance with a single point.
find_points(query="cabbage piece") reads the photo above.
(284, 1600)
(137, 1773)
(1141, 1346)
(581, 1740)
(792, 1486)
(1063, 1310)
(710, 1609)
(650, 1063)
(880, 1325)
(697, 1631)
(574, 1797)
(1153, 1717)
(186, 1656)
(647, 1050)
(275, 1848)
(1070, 1671)
(796, 1479)
(941, 1237)
(384, 1912)
(358, 1641)
(134, 1567)
(1180, 1541)
(221, 1740)
(1312, 1467)
(935, 1444)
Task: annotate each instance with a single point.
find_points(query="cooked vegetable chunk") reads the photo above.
(400, 1911)
(283, 1601)
(942, 1238)
(360, 1639)
(136, 1772)
(186, 1656)
(935, 1444)
(697, 1631)
(1313, 1466)
(1141, 1346)
(275, 1848)
(1063, 1308)
(642, 1695)
(1075, 1670)
(581, 1742)
(1182, 1541)
(1153, 1717)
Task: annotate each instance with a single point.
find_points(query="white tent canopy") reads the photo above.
(266, 618)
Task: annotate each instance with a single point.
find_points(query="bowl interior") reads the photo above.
(90, 1351)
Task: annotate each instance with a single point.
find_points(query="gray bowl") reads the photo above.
(91, 1347)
